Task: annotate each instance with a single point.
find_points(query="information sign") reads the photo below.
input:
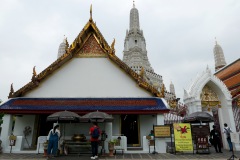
(183, 137)
(42, 139)
(161, 131)
(234, 137)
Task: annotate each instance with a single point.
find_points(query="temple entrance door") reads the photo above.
(130, 129)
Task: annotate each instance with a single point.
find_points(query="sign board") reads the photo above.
(234, 137)
(161, 131)
(42, 139)
(183, 136)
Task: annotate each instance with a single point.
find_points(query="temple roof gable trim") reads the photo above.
(90, 31)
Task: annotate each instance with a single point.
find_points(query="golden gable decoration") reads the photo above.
(91, 48)
(209, 98)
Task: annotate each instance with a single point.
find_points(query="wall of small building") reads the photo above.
(116, 127)
(146, 123)
(20, 123)
(89, 77)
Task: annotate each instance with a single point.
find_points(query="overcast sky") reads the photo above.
(180, 34)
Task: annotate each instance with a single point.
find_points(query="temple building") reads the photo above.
(230, 75)
(135, 54)
(87, 76)
(217, 93)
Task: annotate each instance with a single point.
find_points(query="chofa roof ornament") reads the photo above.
(11, 91)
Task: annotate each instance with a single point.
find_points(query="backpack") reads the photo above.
(227, 132)
(95, 133)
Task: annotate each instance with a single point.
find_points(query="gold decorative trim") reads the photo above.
(238, 102)
(90, 55)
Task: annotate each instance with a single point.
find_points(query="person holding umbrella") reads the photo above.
(53, 137)
(94, 133)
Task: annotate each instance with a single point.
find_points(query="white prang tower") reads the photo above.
(219, 57)
(135, 52)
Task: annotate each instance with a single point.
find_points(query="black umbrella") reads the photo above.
(96, 117)
(64, 116)
(199, 117)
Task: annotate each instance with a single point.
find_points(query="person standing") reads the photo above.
(227, 130)
(95, 134)
(151, 133)
(53, 137)
(216, 139)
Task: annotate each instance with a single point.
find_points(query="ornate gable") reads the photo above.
(91, 48)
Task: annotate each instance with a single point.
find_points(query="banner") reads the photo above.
(183, 137)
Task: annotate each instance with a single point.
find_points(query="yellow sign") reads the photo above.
(183, 137)
(162, 131)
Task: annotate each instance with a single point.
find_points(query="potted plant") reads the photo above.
(45, 146)
(111, 144)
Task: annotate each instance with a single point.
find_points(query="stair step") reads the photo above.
(134, 148)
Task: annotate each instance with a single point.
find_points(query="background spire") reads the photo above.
(133, 3)
(219, 57)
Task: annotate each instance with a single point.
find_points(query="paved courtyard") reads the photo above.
(138, 156)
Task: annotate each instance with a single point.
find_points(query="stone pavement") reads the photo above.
(127, 156)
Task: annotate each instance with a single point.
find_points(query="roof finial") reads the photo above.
(91, 12)
(216, 40)
(113, 43)
(64, 38)
(11, 91)
(34, 71)
(133, 3)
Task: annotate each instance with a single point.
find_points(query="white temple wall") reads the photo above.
(20, 123)
(116, 124)
(160, 143)
(146, 124)
(89, 77)
(6, 131)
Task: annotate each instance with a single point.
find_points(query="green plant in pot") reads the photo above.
(111, 143)
(45, 145)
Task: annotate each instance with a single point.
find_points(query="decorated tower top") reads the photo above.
(62, 47)
(219, 57)
(134, 18)
(172, 89)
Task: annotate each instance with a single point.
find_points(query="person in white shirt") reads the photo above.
(227, 130)
(53, 137)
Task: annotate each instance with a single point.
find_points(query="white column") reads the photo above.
(160, 143)
(108, 130)
(226, 116)
(6, 131)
